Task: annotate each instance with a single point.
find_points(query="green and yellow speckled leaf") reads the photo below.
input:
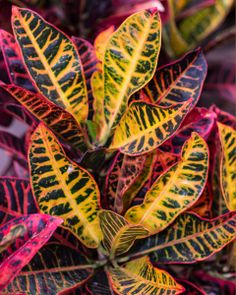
(52, 62)
(198, 26)
(228, 164)
(178, 81)
(101, 41)
(174, 191)
(63, 188)
(146, 126)
(118, 234)
(188, 239)
(130, 61)
(139, 276)
(98, 108)
(58, 120)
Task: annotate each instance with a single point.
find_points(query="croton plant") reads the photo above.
(119, 172)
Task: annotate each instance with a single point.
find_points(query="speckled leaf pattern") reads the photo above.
(52, 62)
(189, 239)
(178, 81)
(53, 270)
(58, 120)
(16, 69)
(130, 61)
(228, 164)
(141, 277)
(118, 234)
(123, 173)
(16, 199)
(63, 188)
(146, 126)
(199, 120)
(174, 191)
(20, 240)
(202, 23)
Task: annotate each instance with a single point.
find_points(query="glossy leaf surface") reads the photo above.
(130, 61)
(228, 164)
(21, 238)
(16, 69)
(146, 126)
(193, 239)
(53, 270)
(52, 62)
(140, 277)
(118, 234)
(57, 119)
(174, 191)
(63, 188)
(178, 81)
(16, 199)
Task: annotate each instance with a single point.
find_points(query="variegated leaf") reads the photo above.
(130, 61)
(188, 239)
(139, 276)
(228, 164)
(101, 41)
(20, 240)
(58, 120)
(203, 22)
(123, 173)
(178, 81)
(199, 120)
(20, 113)
(16, 69)
(16, 199)
(54, 269)
(224, 117)
(52, 62)
(174, 191)
(146, 126)
(63, 188)
(118, 234)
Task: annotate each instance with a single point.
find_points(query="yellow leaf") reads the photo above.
(52, 62)
(146, 126)
(174, 191)
(130, 61)
(63, 188)
(139, 276)
(101, 41)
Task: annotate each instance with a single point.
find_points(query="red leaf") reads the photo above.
(16, 69)
(20, 239)
(16, 199)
